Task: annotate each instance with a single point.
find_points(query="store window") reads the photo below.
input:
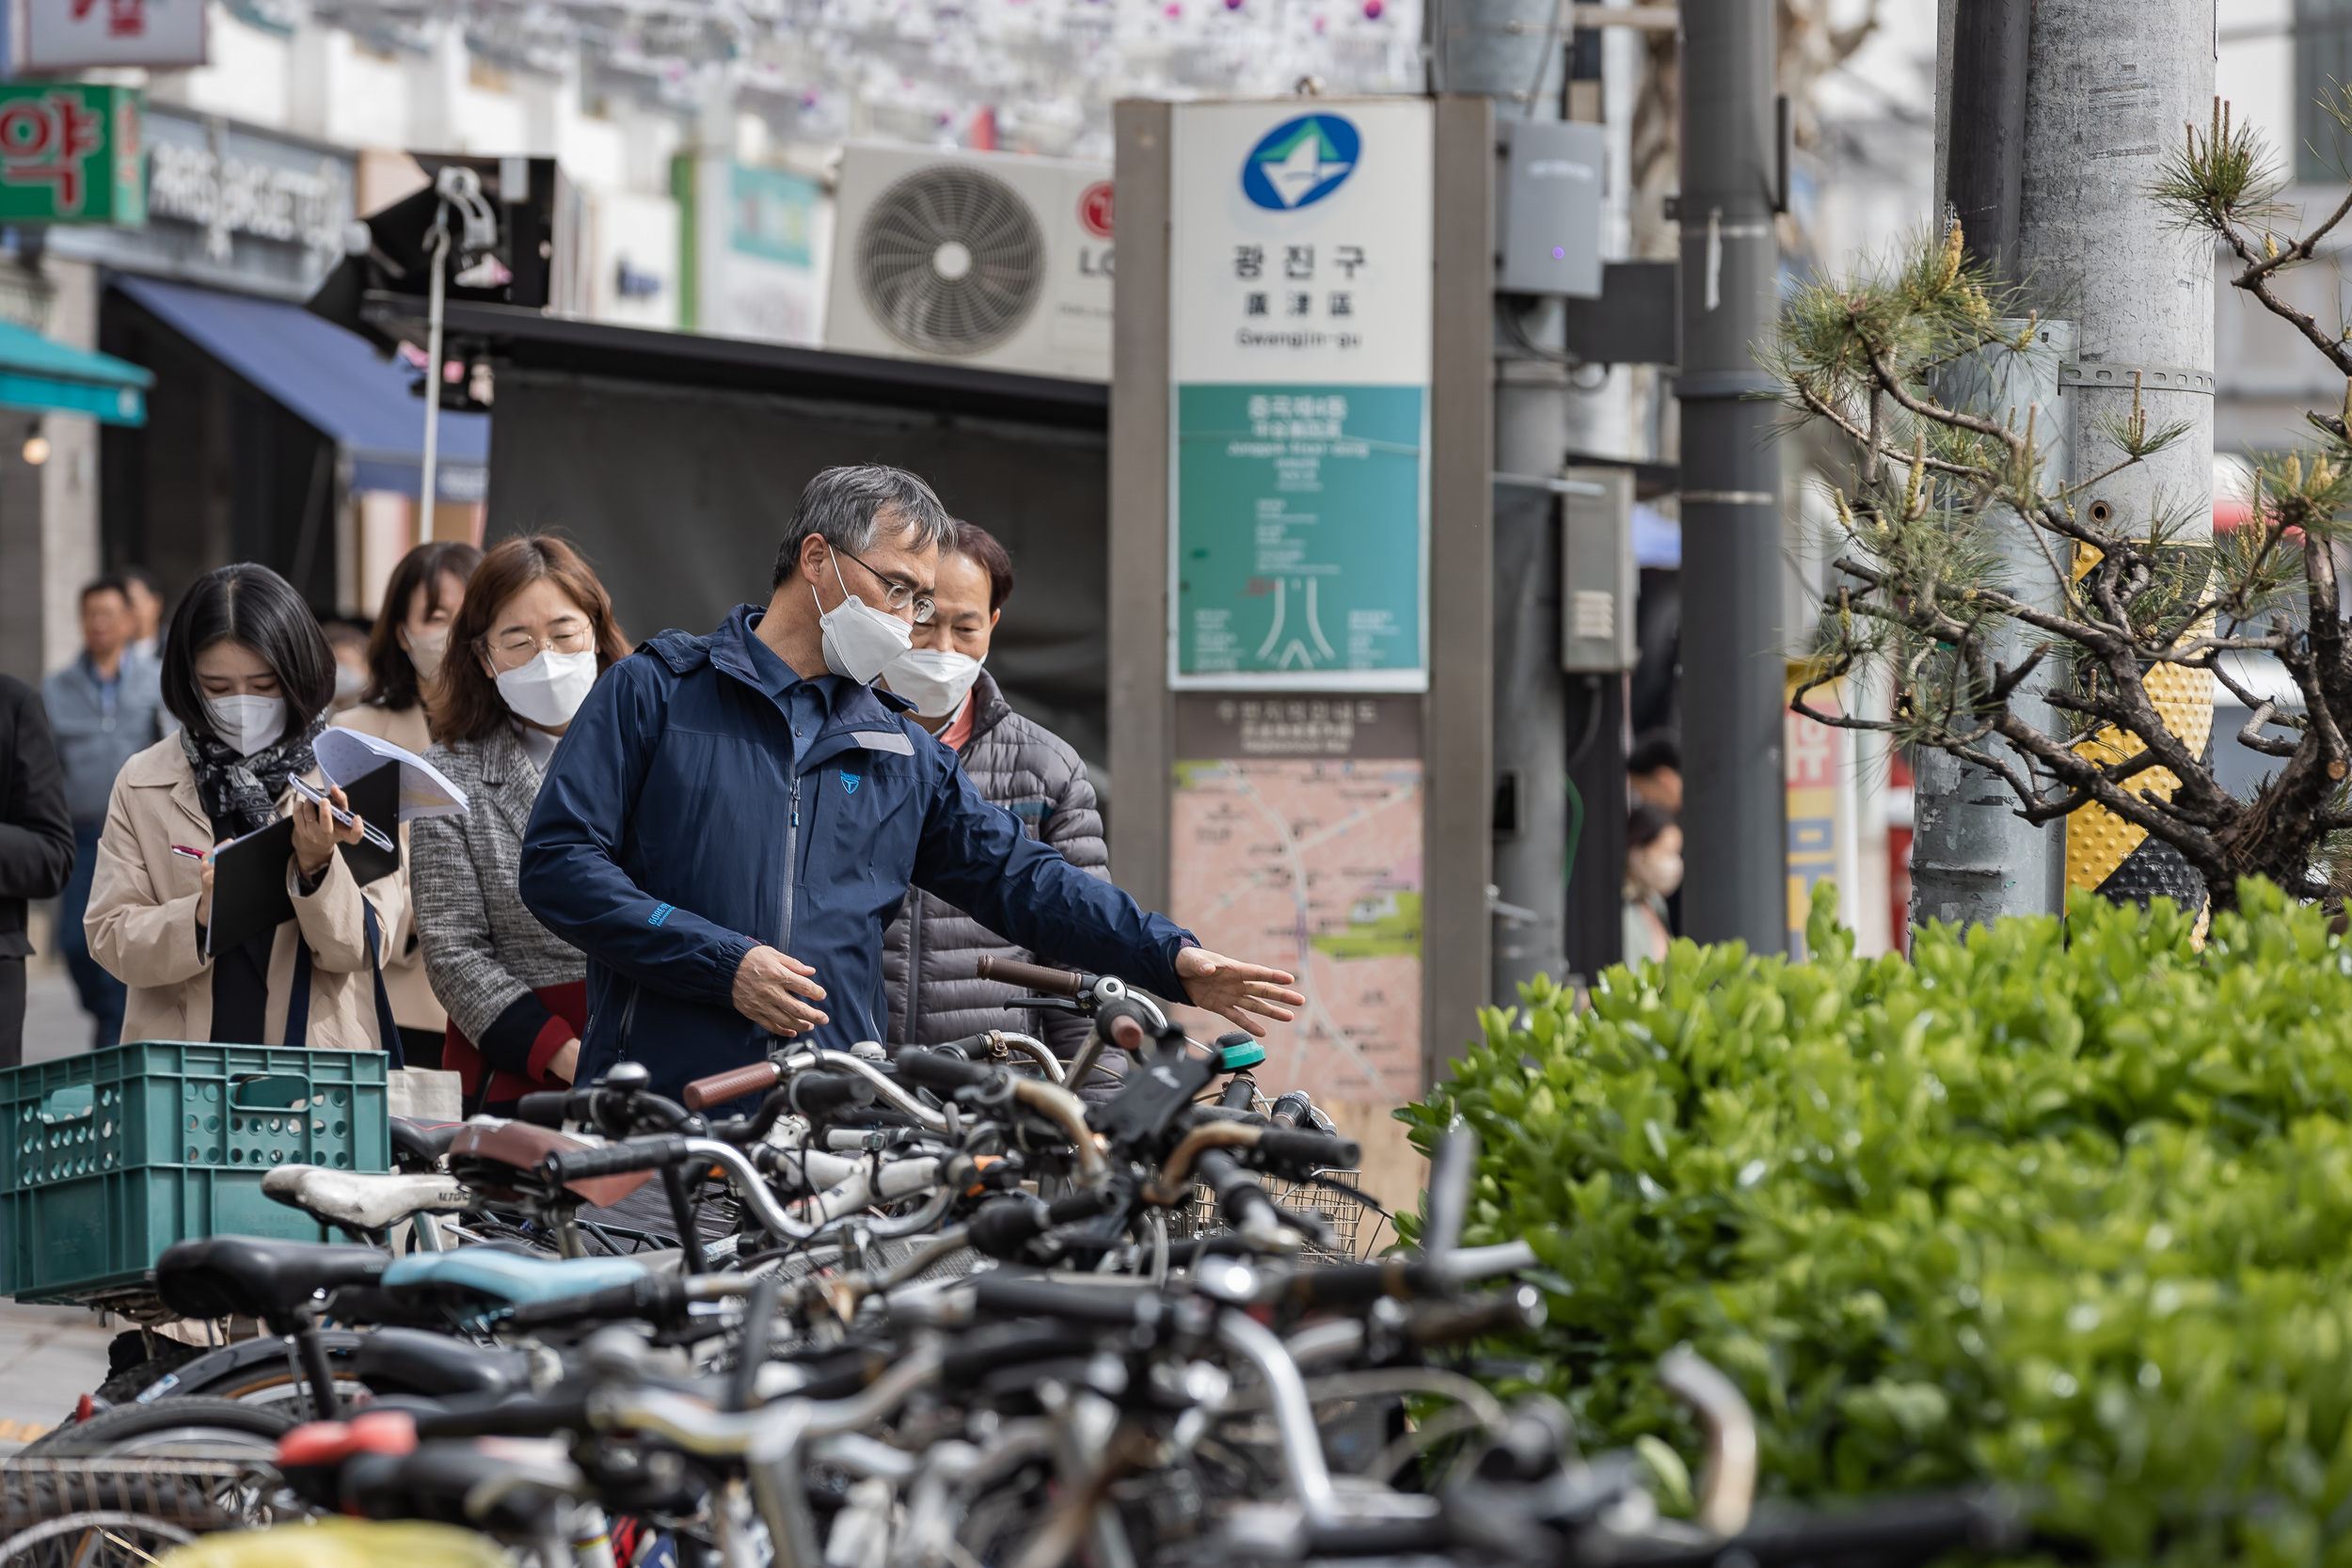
(2323, 72)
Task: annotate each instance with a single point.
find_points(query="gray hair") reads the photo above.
(844, 507)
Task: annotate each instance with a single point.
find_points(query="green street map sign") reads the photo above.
(71, 152)
(1299, 350)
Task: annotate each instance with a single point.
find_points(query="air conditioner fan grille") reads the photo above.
(950, 260)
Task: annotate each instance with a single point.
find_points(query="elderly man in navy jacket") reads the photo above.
(731, 820)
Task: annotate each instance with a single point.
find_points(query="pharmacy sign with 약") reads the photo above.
(71, 152)
(1299, 310)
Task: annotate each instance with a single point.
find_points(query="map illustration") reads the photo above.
(1311, 862)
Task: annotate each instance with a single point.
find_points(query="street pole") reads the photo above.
(2108, 95)
(1514, 53)
(1734, 692)
(1973, 860)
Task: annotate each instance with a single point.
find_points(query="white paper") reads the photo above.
(346, 755)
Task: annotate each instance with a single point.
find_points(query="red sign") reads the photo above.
(1094, 209)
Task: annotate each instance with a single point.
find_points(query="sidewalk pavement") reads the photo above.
(49, 1357)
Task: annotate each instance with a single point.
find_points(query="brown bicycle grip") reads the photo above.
(1053, 982)
(720, 1087)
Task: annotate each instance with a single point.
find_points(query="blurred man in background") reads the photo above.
(36, 844)
(104, 708)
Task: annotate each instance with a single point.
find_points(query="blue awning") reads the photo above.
(332, 381)
(49, 377)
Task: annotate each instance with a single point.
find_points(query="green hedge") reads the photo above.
(2072, 1208)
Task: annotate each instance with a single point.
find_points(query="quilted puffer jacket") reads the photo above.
(930, 950)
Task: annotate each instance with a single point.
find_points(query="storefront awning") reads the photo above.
(330, 379)
(49, 377)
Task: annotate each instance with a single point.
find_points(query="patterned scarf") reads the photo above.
(240, 794)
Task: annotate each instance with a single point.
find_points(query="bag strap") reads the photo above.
(384, 1024)
(298, 1002)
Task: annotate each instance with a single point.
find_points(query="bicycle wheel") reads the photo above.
(96, 1538)
(192, 1426)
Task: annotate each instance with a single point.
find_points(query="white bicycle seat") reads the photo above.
(366, 1202)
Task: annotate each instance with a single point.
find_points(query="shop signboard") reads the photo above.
(71, 152)
(230, 206)
(1822, 808)
(79, 35)
(1301, 310)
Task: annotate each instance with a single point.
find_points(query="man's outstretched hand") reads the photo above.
(769, 987)
(1233, 990)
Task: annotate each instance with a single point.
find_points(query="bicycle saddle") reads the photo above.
(519, 1148)
(510, 1277)
(364, 1202)
(215, 1276)
(420, 1145)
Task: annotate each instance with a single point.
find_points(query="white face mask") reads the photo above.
(426, 649)
(859, 641)
(550, 689)
(349, 683)
(935, 680)
(247, 724)
(1659, 871)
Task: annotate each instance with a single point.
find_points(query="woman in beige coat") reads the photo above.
(248, 673)
(404, 659)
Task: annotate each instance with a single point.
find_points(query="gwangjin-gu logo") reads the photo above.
(1300, 162)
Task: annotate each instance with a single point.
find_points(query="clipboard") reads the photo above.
(249, 894)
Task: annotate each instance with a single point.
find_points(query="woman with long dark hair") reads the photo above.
(248, 673)
(534, 634)
(404, 654)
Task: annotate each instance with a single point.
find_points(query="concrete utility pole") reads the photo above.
(1514, 52)
(1972, 859)
(1733, 683)
(2109, 91)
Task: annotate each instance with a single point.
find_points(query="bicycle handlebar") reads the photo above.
(1344, 1286)
(1002, 1227)
(549, 1107)
(720, 1087)
(816, 1095)
(1292, 1154)
(1036, 978)
(993, 1295)
(567, 1165)
(1517, 1310)
(941, 1072)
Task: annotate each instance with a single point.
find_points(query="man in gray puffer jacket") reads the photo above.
(931, 948)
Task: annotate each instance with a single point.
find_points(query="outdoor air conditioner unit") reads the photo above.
(986, 259)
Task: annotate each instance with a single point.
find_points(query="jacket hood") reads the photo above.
(682, 651)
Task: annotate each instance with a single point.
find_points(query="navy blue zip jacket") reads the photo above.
(680, 795)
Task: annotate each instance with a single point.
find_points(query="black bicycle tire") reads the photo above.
(126, 1422)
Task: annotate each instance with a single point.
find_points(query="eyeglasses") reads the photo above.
(567, 637)
(897, 595)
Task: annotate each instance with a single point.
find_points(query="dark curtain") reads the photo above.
(218, 473)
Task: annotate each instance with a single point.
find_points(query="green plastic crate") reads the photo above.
(110, 1157)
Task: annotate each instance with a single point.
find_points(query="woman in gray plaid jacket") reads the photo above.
(535, 631)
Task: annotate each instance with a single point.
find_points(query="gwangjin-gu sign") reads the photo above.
(1301, 280)
(70, 153)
